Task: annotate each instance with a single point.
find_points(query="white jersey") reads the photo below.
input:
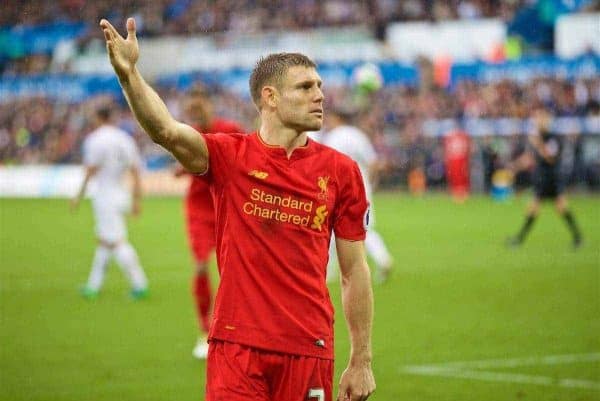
(355, 144)
(113, 152)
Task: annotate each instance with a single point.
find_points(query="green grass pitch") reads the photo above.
(456, 295)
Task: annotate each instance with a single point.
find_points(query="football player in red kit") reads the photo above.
(457, 149)
(200, 212)
(278, 198)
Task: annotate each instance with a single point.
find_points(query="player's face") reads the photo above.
(300, 100)
(198, 110)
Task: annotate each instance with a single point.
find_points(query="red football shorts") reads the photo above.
(201, 236)
(240, 373)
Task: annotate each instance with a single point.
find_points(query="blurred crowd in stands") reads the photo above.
(37, 130)
(227, 18)
(160, 17)
(185, 17)
(399, 118)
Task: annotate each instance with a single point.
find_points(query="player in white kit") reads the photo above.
(353, 142)
(108, 154)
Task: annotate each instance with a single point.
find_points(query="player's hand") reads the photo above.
(123, 53)
(356, 384)
(74, 204)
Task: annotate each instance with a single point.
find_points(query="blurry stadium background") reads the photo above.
(462, 318)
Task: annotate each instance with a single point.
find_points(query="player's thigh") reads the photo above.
(110, 221)
(303, 379)
(234, 373)
(561, 203)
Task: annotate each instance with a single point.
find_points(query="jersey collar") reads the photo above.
(280, 153)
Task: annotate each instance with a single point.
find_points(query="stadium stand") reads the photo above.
(47, 99)
(185, 16)
(77, 20)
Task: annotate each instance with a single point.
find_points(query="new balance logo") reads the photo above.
(261, 175)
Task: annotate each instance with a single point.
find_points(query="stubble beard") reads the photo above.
(305, 125)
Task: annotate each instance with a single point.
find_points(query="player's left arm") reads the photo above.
(136, 207)
(357, 381)
(90, 171)
(522, 162)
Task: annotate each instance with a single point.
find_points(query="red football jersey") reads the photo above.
(198, 199)
(456, 147)
(274, 218)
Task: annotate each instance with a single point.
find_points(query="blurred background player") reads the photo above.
(353, 142)
(548, 182)
(457, 152)
(200, 212)
(108, 154)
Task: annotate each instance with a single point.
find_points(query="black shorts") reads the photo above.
(548, 185)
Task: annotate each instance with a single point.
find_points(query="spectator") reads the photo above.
(40, 130)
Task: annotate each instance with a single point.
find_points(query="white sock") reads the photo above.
(99, 264)
(128, 260)
(377, 250)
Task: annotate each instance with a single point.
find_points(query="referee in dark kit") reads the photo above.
(548, 182)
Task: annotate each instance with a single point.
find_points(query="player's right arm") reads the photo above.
(522, 162)
(357, 382)
(538, 144)
(90, 171)
(150, 111)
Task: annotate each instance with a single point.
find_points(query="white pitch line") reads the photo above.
(488, 376)
(505, 377)
(579, 383)
(515, 362)
(466, 370)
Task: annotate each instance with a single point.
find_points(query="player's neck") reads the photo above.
(101, 124)
(287, 138)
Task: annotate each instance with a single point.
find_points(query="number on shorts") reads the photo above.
(317, 393)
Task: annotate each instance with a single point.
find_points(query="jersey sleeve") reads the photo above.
(221, 155)
(352, 214)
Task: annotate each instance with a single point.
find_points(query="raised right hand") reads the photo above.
(123, 53)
